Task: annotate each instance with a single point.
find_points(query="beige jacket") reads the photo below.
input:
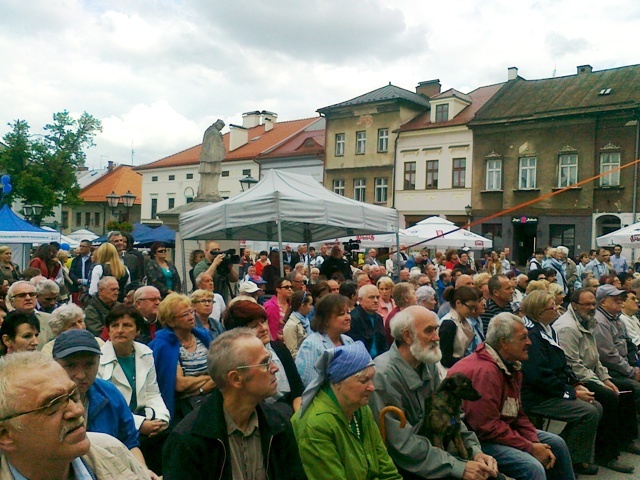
(108, 459)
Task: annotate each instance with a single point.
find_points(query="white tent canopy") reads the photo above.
(82, 234)
(296, 205)
(384, 240)
(457, 238)
(628, 236)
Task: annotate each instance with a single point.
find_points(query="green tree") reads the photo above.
(42, 167)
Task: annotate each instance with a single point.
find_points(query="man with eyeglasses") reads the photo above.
(99, 306)
(576, 336)
(233, 433)
(22, 296)
(42, 427)
(367, 324)
(146, 301)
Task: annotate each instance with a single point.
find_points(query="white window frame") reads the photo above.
(340, 144)
(493, 176)
(381, 190)
(359, 189)
(361, 142)
(527, 173)
(608, 162)
(567, 170)
(383, 140)
(338, 186)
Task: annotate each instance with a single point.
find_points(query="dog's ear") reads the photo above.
(448, 384)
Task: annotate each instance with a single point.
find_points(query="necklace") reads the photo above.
(190, 343)
(355, 423)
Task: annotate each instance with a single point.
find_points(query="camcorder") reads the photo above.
(230, 258)
(351, 248)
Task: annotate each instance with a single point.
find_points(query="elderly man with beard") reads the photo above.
(504, 430)
(42, 432)
(22, 296)
(576, 336)
(405, 376)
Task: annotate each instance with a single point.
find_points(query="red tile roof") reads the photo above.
(259, 142)
(120, 180)
(305, 143)
(478, 97)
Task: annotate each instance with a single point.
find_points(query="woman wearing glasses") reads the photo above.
(180, 355)
(277, 307)
(551, 390)
(161, 273)
(456, 330)
(249, 314)
(19, 333)
(204, 304)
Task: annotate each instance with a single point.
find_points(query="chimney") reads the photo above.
(512, 73)
(429, 88)
(584, 69)
(269, 119)
(110, 165)
(251, 119)
(238, 136)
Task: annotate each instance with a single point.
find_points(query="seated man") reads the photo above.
(366, 323)
(232, 434)
(99, 305)
(42, 429)
(497, 418)
(146, 301)
(78, 352)
(405, 376)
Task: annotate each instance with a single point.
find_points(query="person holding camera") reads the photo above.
(215, 265)
(336, 264)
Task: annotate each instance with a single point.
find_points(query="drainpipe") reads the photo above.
(395, 163)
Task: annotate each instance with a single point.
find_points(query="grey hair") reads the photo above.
(62, 317)
(403, 320)
(14, 287)
(47, 286)
(114, 233)
(141, 291)
(363, 289)
(501, 326)
(563, 249)
(415, 273)
(223, 355)
(199, 278)
(425, 293)
(11, 370)
(103, 281)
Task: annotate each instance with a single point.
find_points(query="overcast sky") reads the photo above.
(158, 72)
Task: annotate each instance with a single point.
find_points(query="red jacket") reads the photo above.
(42, 266)
(498, 416)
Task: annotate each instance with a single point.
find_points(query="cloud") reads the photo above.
(560, 45)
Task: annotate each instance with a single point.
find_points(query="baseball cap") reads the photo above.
(75, 341)
(608, 291)
(248, 287)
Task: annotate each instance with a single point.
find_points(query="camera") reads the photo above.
(229, 259)
(351, 249)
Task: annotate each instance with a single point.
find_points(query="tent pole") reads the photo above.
(280, 249)
(396, 264)
(184, 262)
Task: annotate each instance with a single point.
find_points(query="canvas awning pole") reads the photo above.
(396, 264)
(279, 235)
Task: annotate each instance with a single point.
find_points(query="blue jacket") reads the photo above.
(110, 414)
(166, 355)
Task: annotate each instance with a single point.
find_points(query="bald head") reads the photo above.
(464, 281)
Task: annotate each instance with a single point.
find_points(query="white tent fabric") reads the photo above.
(628, 236)
(82, 234)
(64, 239)
(439, 227)
(384, 240)
(14, 229)
(300, 207)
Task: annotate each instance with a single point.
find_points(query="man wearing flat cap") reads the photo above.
(617, 352)
(78, 352)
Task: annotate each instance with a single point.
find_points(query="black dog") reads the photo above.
(442, 412)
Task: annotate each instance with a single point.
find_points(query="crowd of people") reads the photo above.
(238, 372)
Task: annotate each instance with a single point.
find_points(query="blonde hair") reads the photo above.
(555, 289)
(481, 277)
(200, 294)
(4, 249)
(168, 305)
(537, 285)
(107, 254)
(535, 302)
(386, 281)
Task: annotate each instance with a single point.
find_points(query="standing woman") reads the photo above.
(195, 258)
(277, 307)
(296, 324)
(456, 332)
(9, 271)
(108, 263)
(19, 333)
(45, 260)
(161, 273)
(330, 323)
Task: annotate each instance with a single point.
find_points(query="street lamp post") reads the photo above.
(247, 182)
(128, 199)
(113, 200)
(33, 213)
(467, 210)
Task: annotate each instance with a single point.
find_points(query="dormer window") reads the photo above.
(442, 113)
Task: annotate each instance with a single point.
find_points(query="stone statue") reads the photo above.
(210, 168)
